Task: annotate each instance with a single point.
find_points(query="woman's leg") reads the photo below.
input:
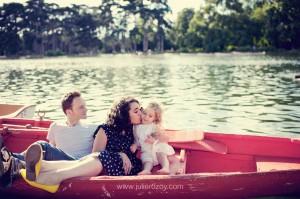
(88, 167)
(48, 166)
(164, 162)
(60, 164)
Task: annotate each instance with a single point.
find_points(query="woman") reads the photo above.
(112, 139)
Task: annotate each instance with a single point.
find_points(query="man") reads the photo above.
(72, 137)
(69, 140)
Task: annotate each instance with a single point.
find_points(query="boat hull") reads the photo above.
(218, 166)
(196, 186)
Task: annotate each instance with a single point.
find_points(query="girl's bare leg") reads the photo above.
(174, 165)
(164, 162)
(147, 169)
(88, 167)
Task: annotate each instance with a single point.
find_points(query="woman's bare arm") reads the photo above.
(100, 141)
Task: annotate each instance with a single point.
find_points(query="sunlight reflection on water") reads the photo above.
(214, 92)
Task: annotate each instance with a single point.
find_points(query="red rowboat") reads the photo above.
(214, 165)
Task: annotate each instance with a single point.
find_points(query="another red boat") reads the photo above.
(17, 110)
(214, 165)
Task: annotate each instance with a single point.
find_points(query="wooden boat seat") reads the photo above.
(194, 140)
(275, 163)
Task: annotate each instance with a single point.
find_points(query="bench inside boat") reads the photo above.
(214, 153)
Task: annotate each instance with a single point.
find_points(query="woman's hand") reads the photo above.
(127, 166)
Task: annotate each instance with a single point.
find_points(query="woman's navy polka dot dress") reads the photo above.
(110, 157)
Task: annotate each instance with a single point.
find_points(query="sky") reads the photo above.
(176, 5)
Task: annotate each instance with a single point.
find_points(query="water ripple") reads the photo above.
(215, 92)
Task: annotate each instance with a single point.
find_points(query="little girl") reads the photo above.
(148, 136)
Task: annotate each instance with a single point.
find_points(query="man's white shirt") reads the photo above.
(76, 141)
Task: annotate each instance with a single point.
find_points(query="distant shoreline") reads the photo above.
(273, 53)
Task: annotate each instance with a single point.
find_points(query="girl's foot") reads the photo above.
(144, 172)
(164, 171)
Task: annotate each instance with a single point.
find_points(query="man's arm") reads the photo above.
(51, 135)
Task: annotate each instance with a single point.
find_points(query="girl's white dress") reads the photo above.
(141, 132)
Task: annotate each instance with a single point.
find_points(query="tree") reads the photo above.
(283, 24)
(161, 8)
(11, 24)
(36, 18)
(110, 24)
(85, 32)
(182, 26)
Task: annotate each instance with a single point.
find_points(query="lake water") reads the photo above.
(229, 93)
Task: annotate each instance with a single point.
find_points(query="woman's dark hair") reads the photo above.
(67, 100)
(118, 117)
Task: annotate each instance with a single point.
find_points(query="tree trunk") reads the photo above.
(134, 46)
(123, 44)
(43, 43)
(145, 41)
(53, 41)
(162, 46)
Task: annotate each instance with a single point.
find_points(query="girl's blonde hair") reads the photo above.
(158, 112)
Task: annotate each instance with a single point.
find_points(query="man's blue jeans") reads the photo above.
(50, 153)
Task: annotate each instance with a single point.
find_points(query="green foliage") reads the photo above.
(54, 53)
(40, 28)
(11, 23)
(230, 48)
(283, 24)
(182, 37)
(226, 25)
(11, 44)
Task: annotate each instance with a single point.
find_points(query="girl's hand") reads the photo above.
(133, 148)
(163, 138)
(127, 166)
(150, 139)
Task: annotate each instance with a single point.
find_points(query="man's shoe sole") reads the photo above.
(33, 160)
